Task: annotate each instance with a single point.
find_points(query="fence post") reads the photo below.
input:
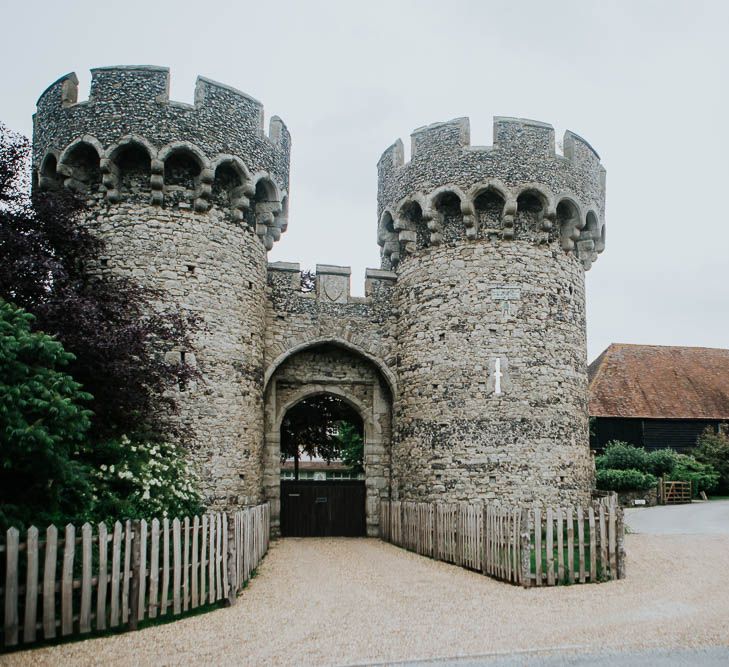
(137, 574)
(621, 543)
(232, 592)
(526, 550)
(12, 547)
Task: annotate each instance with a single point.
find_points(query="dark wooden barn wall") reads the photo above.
(678, 434)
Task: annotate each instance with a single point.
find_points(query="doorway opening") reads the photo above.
(323, 489)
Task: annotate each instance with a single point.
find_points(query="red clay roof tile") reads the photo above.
(660, 382)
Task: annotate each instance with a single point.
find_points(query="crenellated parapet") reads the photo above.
(519, 188)
(129, 140)
(325, 312)
(331, 285)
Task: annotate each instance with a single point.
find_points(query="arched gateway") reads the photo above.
(342, 372)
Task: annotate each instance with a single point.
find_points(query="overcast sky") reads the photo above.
(645, 82)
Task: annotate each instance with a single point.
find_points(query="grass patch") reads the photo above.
(601, 574)
(122, 628)
(110, 632)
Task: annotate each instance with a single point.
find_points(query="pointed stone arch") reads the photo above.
(337, 369)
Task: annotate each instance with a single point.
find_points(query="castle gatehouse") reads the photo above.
(465, 359)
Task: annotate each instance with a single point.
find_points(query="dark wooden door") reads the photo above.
(320, 509)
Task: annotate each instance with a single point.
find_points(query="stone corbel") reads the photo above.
(508, 216)
(548, 218)
(110, 179)
(239, 203)
(391, 249)
(569, 234)
(586, 253)
(204, 190)
(157, 182)
(470, 219)
(434, 220)
(408, 239)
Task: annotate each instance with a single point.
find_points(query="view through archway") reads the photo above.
(322, 468)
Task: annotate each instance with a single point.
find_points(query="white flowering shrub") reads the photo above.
(143, 480)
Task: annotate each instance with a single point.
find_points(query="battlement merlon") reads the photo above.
(523, 152)
(332, 283)
(134, 100)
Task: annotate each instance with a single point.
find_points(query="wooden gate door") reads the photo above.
(320, 509)
(674, 492)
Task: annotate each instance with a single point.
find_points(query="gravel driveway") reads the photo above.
(354, 601)
(697, 518)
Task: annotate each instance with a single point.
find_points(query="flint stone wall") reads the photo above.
(328, 313)
(457, 439)
(326, 340)
(195, 232)
(179, 252)
(649, 498)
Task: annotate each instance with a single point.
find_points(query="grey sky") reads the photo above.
(645, 82)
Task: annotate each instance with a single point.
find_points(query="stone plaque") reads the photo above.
(505, 293)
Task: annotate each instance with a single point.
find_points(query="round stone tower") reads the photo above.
(188, 199)
(490, 246)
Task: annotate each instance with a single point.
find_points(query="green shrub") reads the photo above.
(624, 480)
(622, 456)
(43, 424)
(703, 477)
(624, 467)
(661, 462)
(50, 471)
(713, 449)
(135, 480)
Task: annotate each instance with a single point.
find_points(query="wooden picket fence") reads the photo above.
(155, 569)
(531, 547)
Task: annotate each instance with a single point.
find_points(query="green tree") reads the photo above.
(661, 462)
(310, 428)
(109, 322)
(57, 464)
(624, 467)
(622, 456)
(703, 477)
(713, 449)
(613, 479)
(351, 447)
(43, 423)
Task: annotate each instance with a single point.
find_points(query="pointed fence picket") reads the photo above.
(31, 585)
(49, 583)
(531, 547)
(186, 565)
(162, 567)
